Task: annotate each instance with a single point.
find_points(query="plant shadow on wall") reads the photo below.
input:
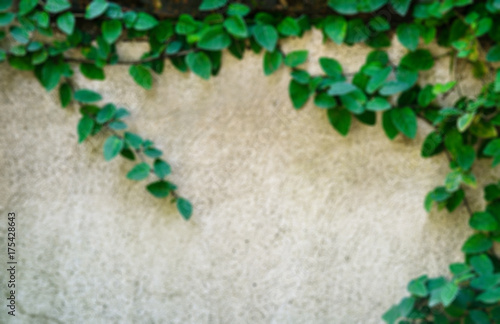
(43, 37)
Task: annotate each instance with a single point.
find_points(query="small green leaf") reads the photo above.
(84, 128)
(340, 119)
(184, 207)
(482, 264)
(159, 189)
(87, 96)
(405, 121)
(344, 7)
(296, 58)
(238, 9)
(56, 6)
(145, 21)
(25, 6)
(106, 113)
(66, 23)
(483, 221)
(331, 67)
(401, 6)
(477, 243)
(236, 26)
(431, 144)
(96, 8)
(142, 76)
(200, 64)
(389, 128)
(6, 18)
(65, 94)
(378, 104)
(162, 168)
(322, 100)
(341, 88)
(408, 35)
(266, 36)
(493, 54)
(378, 79)
(214, 39)
(490, 297)
(289, 27)
(418, 60)
(112, 147)
(336, 28)
(139, 172)
(448, 293)
(212, 4)
(453, 181)
(20, 34)
(417, 287)
(152, 152)
(111, 30)
(272, 62)
(133, 140)
(299, 94)
(91, 71)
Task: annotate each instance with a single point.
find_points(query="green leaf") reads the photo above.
(322, 100)
(389, 128)
(96, 8)
(159, 189)
(66, 23)
(236, 26)
(289, 27)
(162, 168)
(477, 243)
(133, 140)
(448, 293)
(340, 119)
(465, 156)
(464, 121)
(431, 144)
(200, 64)
(184, 207)
(453, 181)
(378, 79)
(142, 76)
(48, 74)
(493, 148)
(139, 172)
(214, 39)
(418, 60)
(482, 264)
(111, 30)
(354, 101)
(56, 6)
(344, 7)
(405, 121)
(341, 88)
(112, 147)
(490, 297)
(266, 36)
(408, 35)
(186, 25)
(296, 58)
(331, 67)
(417, 287)
(299, 94)
(20, 34)
(493, 54)
(212, 4)
(91, 71)
(87, 96)
(65, 94)
(336, 28)
(106, 113)
(25, 6)
(378, 104)
(145, 21)
(6, 18)
(401, 6)
(238, 9)
(483, 221)
(84, 128)
(392, 315)
(272, 62)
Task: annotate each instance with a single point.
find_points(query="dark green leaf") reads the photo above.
(159, 189)
(65, 94)
(322, 100)
(431, 144)
(299, 94)
(238, 9)
(331, 67)
(162, 168)
(418, 60)
(106, 113)
(142, 76)
(111, 30)
(289, 27)
(493, 54)
(91, 71)
(405, 121)
(184, 207)
(85, 126)
(112, 146)
(272, 62)
(483, 221)
(340, 119)
(477, 243)
(490, 297)
(389, 128)
(25, 6)
(401, 6)
(214, 39)
(139, 172)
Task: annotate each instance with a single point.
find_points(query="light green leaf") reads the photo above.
(378, 104)
(142, 76)
(322, 100)
(490, 297)
(289, 27)
(145, 21)
(112, 147)
(482, 264)
(344, 7)
(336, 28)
(266, 36)
(20, 34)
(56, 6)
(238, 9)
(296, 58)
(87, 96)
(331, 67)
(477, 243)
(408, 35)
(417, 287)
(133, 140)
(341, 88)
(162, 168)
(448, 293)
(236, 26)
(139, 172)
(66, 23)
(106, 113)
(96, 8)
(401, 6)
(111, 30)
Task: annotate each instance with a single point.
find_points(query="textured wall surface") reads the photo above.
(292, 223)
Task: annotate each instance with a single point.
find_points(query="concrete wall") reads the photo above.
(292, 222)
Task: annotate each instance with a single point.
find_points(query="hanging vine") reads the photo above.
(30, 39)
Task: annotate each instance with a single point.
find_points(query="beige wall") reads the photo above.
(292, 222)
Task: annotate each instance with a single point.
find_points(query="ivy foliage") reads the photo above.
(43, 36)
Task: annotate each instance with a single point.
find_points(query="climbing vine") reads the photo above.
(46, 36)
